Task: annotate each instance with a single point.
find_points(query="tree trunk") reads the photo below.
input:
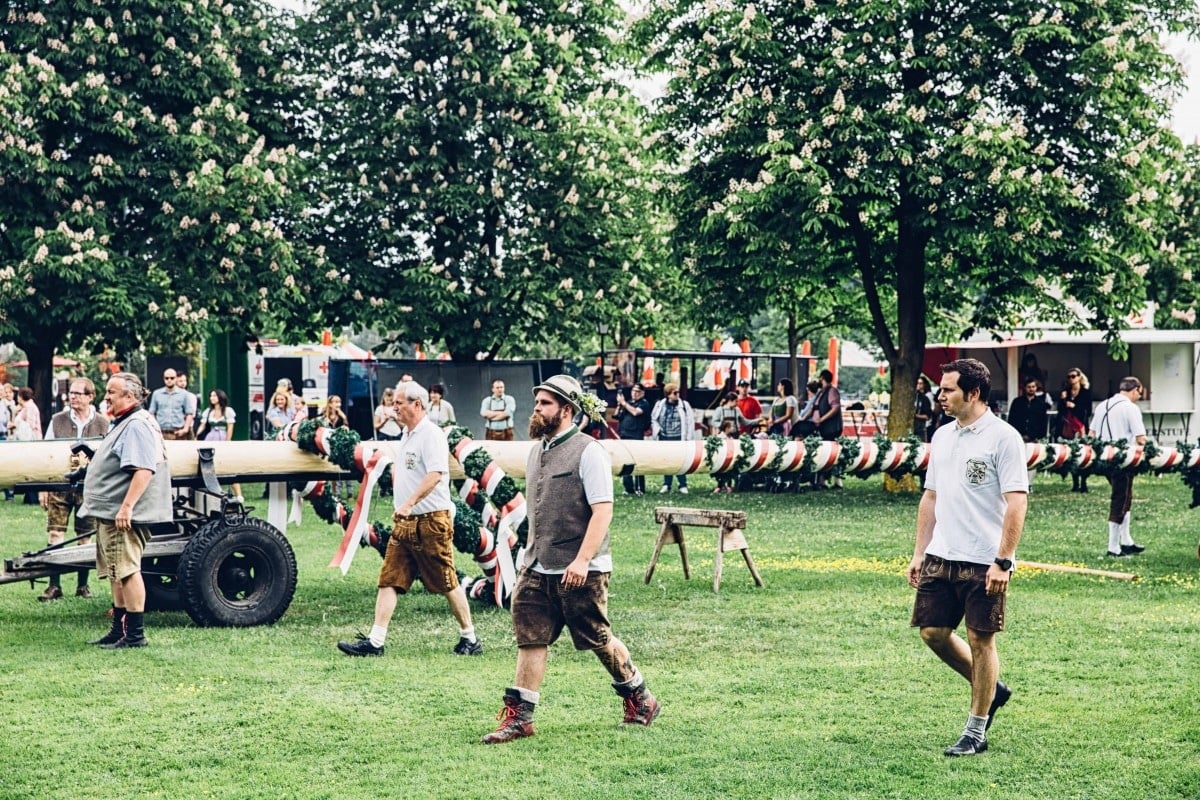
(41, 377)
(793, 336)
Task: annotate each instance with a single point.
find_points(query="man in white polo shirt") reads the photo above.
(968, 525)
(1119, 419)
(423, 527)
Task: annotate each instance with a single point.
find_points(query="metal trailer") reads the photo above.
(215, 561)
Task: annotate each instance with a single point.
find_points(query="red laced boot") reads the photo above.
(640, 706)
(516, 719)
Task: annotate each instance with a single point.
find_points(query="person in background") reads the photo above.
(279, 415)
(633, 420)
(7, 409)
(126, 491)
(923, 412)
(969, 523)
(498, 411)
(387, 426)
(749, 406)
(829, 420)
(784, 410)
(181, 381)
(173, 408)
(26, 427)
(332, 415)
(672, 421)
(216, 425)
(1119, 419)
(26, 423)
(1027, 413)
(806, 424)
(727, 480)
(441, 413)
(77, 422)
(423, 528)
(1074, 410)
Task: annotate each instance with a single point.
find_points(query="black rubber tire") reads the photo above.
(161, 577)
(237, 573)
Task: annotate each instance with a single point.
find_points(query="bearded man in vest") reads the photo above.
(566, 567)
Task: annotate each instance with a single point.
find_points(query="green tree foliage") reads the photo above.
(142, 168)
(1172, 278)
(969, 166)
(480, 180)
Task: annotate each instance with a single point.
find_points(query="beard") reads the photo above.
(540, 427)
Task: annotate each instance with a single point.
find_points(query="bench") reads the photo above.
(730, 527)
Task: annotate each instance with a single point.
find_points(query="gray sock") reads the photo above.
(976, 727)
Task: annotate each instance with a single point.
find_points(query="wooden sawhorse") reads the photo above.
(729, 524)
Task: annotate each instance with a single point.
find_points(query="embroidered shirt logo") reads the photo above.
(976, 471)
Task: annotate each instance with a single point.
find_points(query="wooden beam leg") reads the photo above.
(658, 546)
(687, 573)
(718, 562)
(750, 563)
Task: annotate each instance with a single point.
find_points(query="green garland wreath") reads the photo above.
(711, 445)
(776, 462)
(474, 466)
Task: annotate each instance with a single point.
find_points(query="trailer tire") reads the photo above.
(237, 573)
(160, 575)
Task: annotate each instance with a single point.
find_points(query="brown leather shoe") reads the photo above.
(84, 592)
(51, 593)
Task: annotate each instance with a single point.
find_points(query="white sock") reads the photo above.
(378, 635)
(1125, 537)
(528, 695)
(468, 634)
(1114, 537)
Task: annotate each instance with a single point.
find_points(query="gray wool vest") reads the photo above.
(558, 508)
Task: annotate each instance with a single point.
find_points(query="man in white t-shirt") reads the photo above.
(423, 527)
(1119, 419)
(968, 525)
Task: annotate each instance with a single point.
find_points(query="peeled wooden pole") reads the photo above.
(47, 461)
(1103, 573)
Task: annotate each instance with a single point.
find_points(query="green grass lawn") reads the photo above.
(813, 686)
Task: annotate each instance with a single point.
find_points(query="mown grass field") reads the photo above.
(813, 686)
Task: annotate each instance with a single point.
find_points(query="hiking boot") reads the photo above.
(640, 706)
(1000, 698)
(52, 593)
(1131, 549)
(127, 641)
(465, 648)
(516, 719)
(360, 647)
(84, 592)
(115, 631)
(967, 745)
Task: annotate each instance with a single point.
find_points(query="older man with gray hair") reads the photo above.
(126, 491)
(422, 527)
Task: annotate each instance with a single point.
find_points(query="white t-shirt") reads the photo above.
(422, 450)
(1118, 418)
(970, 469)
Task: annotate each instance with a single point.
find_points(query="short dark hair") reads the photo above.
(972, 374)
(1129, 383)
(827, 375)
(437, 387)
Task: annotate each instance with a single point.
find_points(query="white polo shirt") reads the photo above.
(970, 469)
(422, 450)
(1118, 418)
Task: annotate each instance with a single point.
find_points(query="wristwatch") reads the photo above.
(1005, 564)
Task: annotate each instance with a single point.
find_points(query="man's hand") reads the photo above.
(914, 570)
(124, 520)
(997, 579)
(576, 574)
